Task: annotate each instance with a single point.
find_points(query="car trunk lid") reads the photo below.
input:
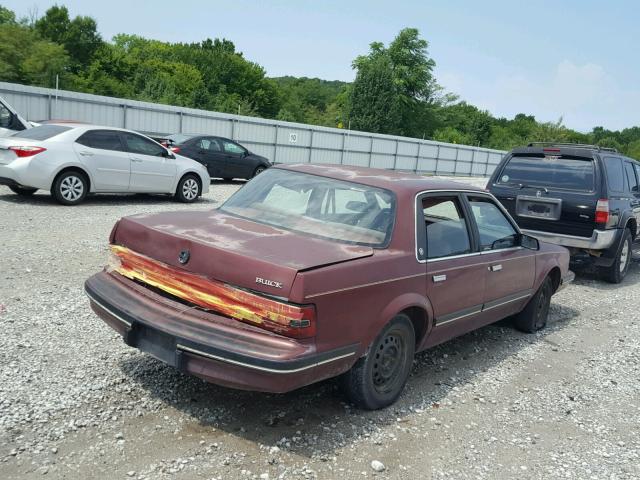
(550, 191)
(229, 249)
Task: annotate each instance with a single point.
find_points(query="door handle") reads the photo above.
(84, 153)
(439, 278)
(137, 160)
(495, 268)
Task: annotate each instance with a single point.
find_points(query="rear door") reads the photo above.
(550, 191)
(103, 154)
(455, 273)
(210, 151)
(510, 268)
(151, 169)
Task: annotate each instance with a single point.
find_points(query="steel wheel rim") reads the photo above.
(71, 188)
(388, 362)
(542, 309)
(190, 189)
(624, 257)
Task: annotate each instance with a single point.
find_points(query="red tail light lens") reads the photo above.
(22, 152)
(297, 321)
(602, 211)
(174, 149)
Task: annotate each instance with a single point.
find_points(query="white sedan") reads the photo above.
(73, 160)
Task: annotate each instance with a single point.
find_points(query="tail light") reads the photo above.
(297, 321)
(602, 211)
(174, 149)
(22, 152)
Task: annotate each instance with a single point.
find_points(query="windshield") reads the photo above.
(568, 173)
(43, 132)
(318, 206)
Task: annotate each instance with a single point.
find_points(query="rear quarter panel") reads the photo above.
(355, 299)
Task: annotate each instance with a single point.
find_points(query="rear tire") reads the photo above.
(24, 191)
(377, 380)
(70, 188)
(620, 266)
(534, 316)
(188, 189)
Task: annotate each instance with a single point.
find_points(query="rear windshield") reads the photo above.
(317, 206)
(177, 138)
(43, 132)
(568, 173)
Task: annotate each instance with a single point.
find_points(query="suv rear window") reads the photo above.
(43, 132)
(570, 173)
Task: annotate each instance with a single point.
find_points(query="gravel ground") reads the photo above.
(76, 403)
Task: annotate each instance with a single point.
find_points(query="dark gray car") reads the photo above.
(223, 158)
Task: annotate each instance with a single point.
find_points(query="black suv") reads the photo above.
(583, 197)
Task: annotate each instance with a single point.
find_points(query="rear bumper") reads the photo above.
(215, 348)
(9, 182)
(599, 240)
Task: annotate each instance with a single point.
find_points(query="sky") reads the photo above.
(575, 60)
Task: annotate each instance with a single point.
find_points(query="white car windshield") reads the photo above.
(318, 206)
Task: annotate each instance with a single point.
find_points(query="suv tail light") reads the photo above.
(297, 321)
(22, 152)
(602, 211)
(175, 149)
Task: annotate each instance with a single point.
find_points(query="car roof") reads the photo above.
(396, 181)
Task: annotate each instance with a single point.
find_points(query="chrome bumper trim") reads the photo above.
(600, 239)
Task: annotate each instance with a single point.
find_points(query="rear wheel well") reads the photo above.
(72, 169)
(418, 317)
(555, 277)
(633, 227)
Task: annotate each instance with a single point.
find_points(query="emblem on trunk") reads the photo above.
(538, 193)
(269, 283)
(184, 256)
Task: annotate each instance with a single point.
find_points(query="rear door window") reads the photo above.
(615, 174)
(101, 139)
(569, 173)
(446, 228)
(632, 181)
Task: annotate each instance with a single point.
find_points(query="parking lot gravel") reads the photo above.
(77, 403)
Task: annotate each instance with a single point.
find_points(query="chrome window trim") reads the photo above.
(451, 257)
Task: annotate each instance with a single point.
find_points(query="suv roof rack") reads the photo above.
(572, 145)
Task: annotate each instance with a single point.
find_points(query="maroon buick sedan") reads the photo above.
(309, 272)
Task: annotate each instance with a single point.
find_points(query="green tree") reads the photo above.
(25, 58)
(403, 74)
(7, 16)
(79, 36)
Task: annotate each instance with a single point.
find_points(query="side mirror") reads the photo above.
(529, 242)
(167, 154)
(246, 153)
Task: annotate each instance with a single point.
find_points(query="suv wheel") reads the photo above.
(618, 270)
(22, 190)
(70, 188)
(377, 380)
(534, 316)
